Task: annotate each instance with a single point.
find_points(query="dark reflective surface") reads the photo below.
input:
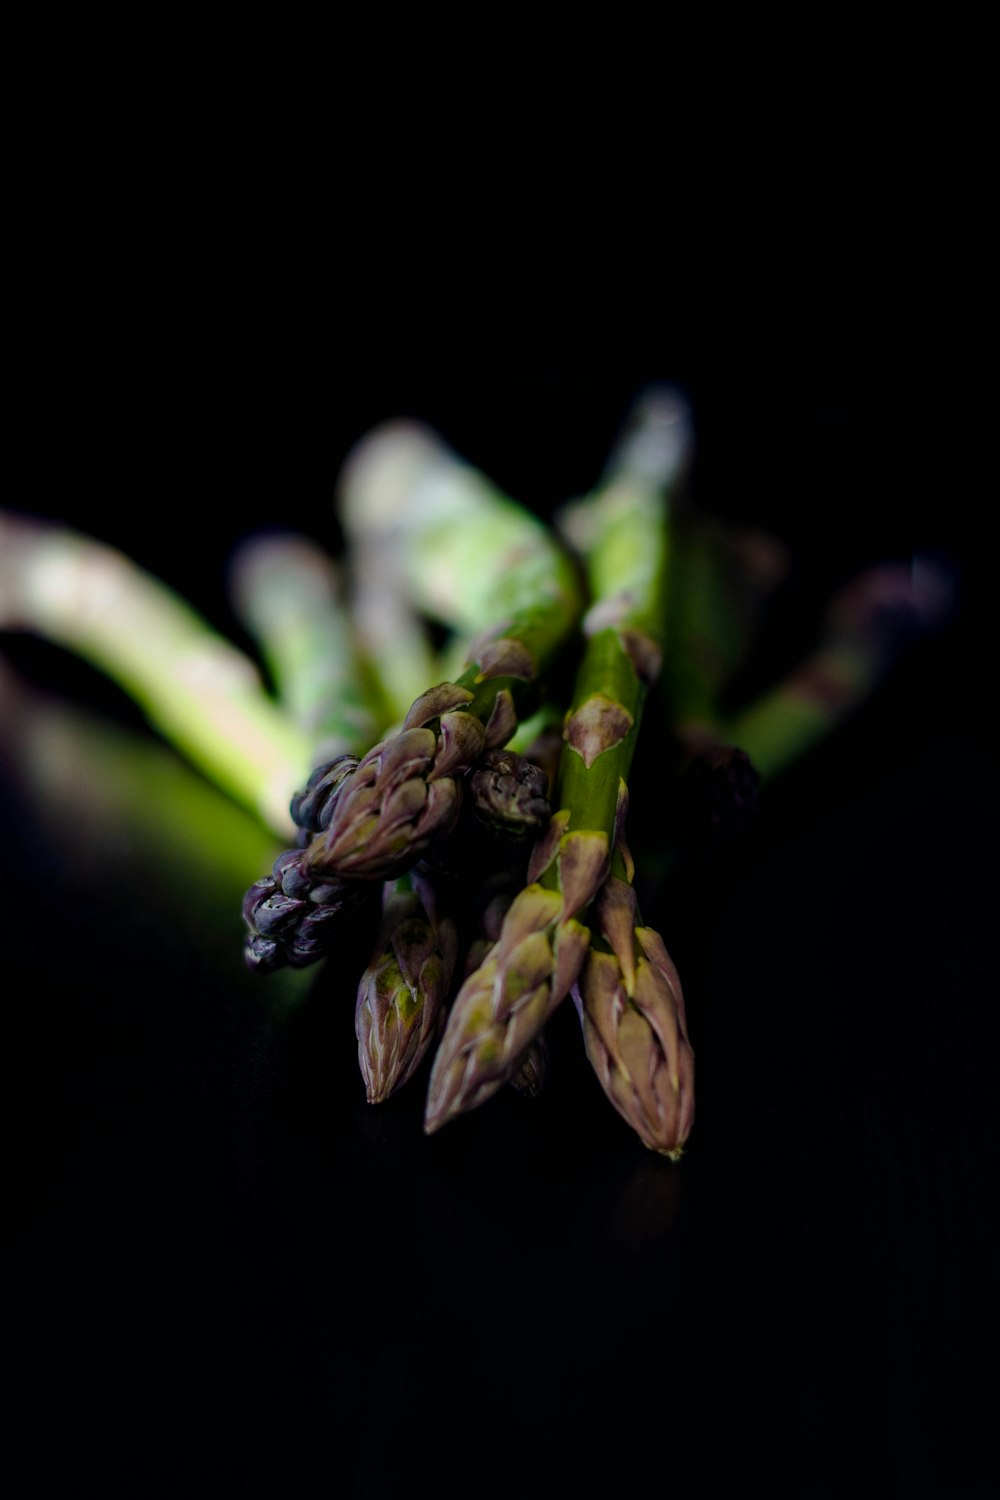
(227, 1265)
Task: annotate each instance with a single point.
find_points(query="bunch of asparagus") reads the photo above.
(474, 794)
(466, 810)
(492, 821)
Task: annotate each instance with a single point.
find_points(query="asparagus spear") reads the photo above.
(726, 757)
(631, 1007)
(289, 594)
(467, 555)
(403, 991)
(493, 901)
(203, 694)
(406, 791)
(868, 623)
(721, 579)
(392, 634)
(503, 1005)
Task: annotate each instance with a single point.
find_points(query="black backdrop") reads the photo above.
(226, 1264)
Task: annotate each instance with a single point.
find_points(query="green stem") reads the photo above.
(288, 593)
(621, 532)
(205, 696)
(469, 556)
(721, 580)
(607, 681)
(867, 626)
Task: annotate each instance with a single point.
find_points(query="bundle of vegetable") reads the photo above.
(546, 946)
(473, 797)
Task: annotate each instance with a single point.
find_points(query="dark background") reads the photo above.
(225, 1263)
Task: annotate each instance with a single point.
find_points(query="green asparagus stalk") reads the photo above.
(721, 579)
(393, 639)
(504, 1004)
(392, 634)
(650, 458)
(119, 808)
(202, 693)
(467, 555)
(289, 595)
(720, 575)
(724, 758)
(867, 626)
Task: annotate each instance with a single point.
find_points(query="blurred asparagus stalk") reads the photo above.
(120, 809)
(866, 627)
(431, 537)
(289, 595)
(392, 634)
(468, 556)
(725, 756)
(201, 692)
(721, 579)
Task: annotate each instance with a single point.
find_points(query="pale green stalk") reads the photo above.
(468, 556)
(721, 580)
(203, 694)
(116, 805)
(288, 593)
(392, 637)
